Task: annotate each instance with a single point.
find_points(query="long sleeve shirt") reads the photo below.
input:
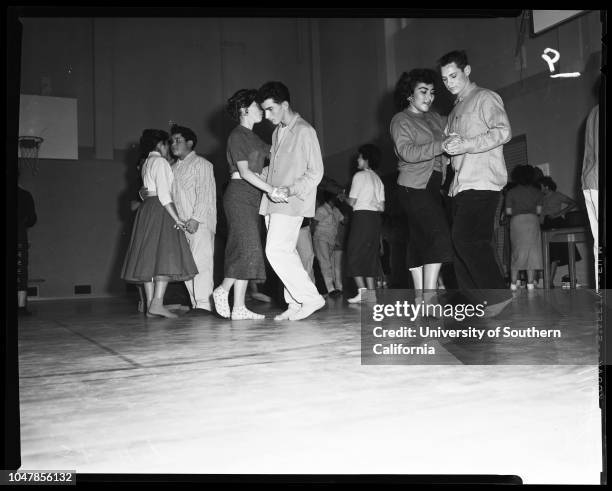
(157, 177)
(480, 118)
(295, 162)
(590, 162)
(417, 139)
(194, 190)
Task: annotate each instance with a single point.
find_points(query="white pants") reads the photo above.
(283, 231)
(591, 199)
(305, 251)
(202, 245)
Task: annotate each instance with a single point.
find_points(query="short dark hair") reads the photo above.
(241, 100)
(459, 57)
(187, 133)
(407, 83)
(371, 153)
(523, 174)
(548, 182)
(328, 196)
(277, 91)
(150, 138)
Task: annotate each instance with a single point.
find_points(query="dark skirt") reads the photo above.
(363, 244)
(22, 266)
(429, 239)
(558, 252)
(244, 255)
(156, 247)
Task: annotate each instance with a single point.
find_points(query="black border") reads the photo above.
(11, 448)
(11, 423)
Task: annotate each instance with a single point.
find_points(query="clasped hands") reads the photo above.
(454, 144)
(191, 226)
(180, 225)
(279, 194)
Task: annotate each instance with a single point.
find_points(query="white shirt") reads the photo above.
(157, 177)
(368, 191)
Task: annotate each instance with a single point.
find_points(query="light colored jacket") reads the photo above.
(480, 118)
(295, 162)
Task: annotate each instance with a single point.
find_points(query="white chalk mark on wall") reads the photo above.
(551, 63)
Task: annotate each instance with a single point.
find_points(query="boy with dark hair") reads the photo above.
(296, 168)
(476, 130)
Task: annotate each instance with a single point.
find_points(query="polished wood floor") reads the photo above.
(105, 390)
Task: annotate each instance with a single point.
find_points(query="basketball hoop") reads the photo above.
(28, 152)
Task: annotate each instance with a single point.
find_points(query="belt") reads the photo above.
(150, 194)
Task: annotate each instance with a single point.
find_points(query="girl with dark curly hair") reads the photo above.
(417, 134)
(244, 256)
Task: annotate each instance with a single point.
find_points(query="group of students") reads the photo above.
(534, 204)
(425, 142)
(366, 197)
(470, 139)
(283, 192)
(173, 233)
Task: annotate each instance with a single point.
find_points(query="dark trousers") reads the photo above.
(472, 235)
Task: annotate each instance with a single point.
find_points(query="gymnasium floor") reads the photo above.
(105, 390)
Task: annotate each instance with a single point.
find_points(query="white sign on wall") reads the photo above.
(55, 120)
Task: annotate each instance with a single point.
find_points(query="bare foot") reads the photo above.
(159, 309)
